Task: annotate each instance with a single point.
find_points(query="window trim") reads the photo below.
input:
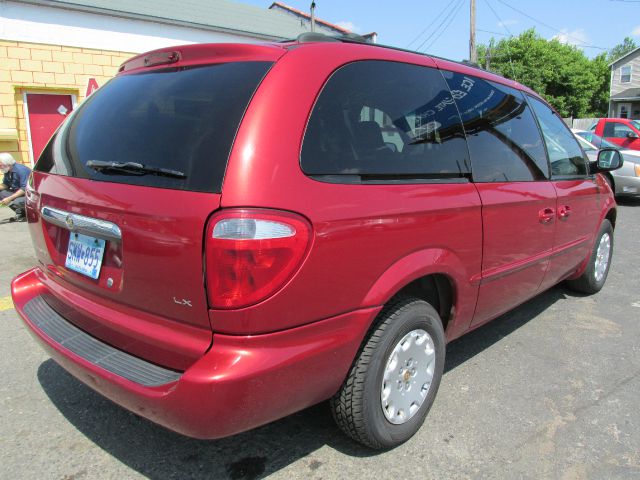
(630, 67)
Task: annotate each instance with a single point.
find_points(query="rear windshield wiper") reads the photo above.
(132, 168)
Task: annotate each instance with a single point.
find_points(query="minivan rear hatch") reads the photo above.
(122, 193)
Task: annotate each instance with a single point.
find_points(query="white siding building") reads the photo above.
(624, 99)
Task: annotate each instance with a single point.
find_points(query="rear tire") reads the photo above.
(395, 377)
(595, 275)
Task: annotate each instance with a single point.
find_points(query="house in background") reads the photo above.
(54, 53)
(624, 96)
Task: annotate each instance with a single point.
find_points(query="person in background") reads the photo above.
(14, 185)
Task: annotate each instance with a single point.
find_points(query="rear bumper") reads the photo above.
(240, 383)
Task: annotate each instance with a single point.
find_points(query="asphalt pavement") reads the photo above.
(549, 390)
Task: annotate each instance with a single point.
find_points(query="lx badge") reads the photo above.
(184, 302)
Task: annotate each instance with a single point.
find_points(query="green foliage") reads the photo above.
(621, 49)
(573, 84)
(600, 100)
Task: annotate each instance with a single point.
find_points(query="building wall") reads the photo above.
(634, 61)
(57, 26)
(633, 109)
(41, 68)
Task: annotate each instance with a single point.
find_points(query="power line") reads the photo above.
(452, 16)
(447, 15)
(584, 45)
(432, 22)
(513, 70)
(495, 33)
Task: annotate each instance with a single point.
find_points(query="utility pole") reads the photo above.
(313, 16)
(473, 54)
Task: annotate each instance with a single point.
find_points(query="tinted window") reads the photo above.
(565, 155)
(616, 130)
(178, 119)
(385, 119)
(504, 140)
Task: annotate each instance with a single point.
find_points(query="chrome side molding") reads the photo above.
(81, 224)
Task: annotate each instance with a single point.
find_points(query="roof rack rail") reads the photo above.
(307, 37)
(310, 37)
(469, 63)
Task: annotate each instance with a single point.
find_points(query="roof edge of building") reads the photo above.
(149, 18)
(624, 56)
(307, 16)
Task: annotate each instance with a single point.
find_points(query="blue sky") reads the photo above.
(402, 23)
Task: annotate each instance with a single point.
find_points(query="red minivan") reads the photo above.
(227, 234)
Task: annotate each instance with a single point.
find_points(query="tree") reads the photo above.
(561, 73)
(627, 45)
(600, 99)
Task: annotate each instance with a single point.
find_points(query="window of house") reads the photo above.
(504, 141)
(625, 74)
(565, 155)
(380, 120)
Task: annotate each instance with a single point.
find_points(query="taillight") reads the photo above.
(251, 254)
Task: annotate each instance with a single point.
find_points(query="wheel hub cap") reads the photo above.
(407, 376)
(602, 257)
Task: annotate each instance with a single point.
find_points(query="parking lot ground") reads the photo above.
(549, 390)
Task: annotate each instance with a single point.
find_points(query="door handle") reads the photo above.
(564, 211)
(546, 215)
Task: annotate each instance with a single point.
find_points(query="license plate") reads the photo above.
(84, 254)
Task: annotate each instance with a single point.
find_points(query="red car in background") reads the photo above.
(624, 132)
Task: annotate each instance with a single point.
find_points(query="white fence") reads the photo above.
(583, 123)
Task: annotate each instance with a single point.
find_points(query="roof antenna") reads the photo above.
(313, 16)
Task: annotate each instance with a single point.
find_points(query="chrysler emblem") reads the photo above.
(69, 222)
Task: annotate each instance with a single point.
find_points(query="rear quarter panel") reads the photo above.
(369, 240)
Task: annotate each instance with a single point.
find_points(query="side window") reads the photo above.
(625, 74)
(504, 140)
(565, 155)
(616, 130)
(385, 119)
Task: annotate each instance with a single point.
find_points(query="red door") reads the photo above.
(518, 222)
(577, 221)
(577, 208)
(46, 113)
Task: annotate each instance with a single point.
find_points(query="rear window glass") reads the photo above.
(179, 124)
(387, 120)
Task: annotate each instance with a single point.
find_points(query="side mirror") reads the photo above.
(608, 159)
(632, 135)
